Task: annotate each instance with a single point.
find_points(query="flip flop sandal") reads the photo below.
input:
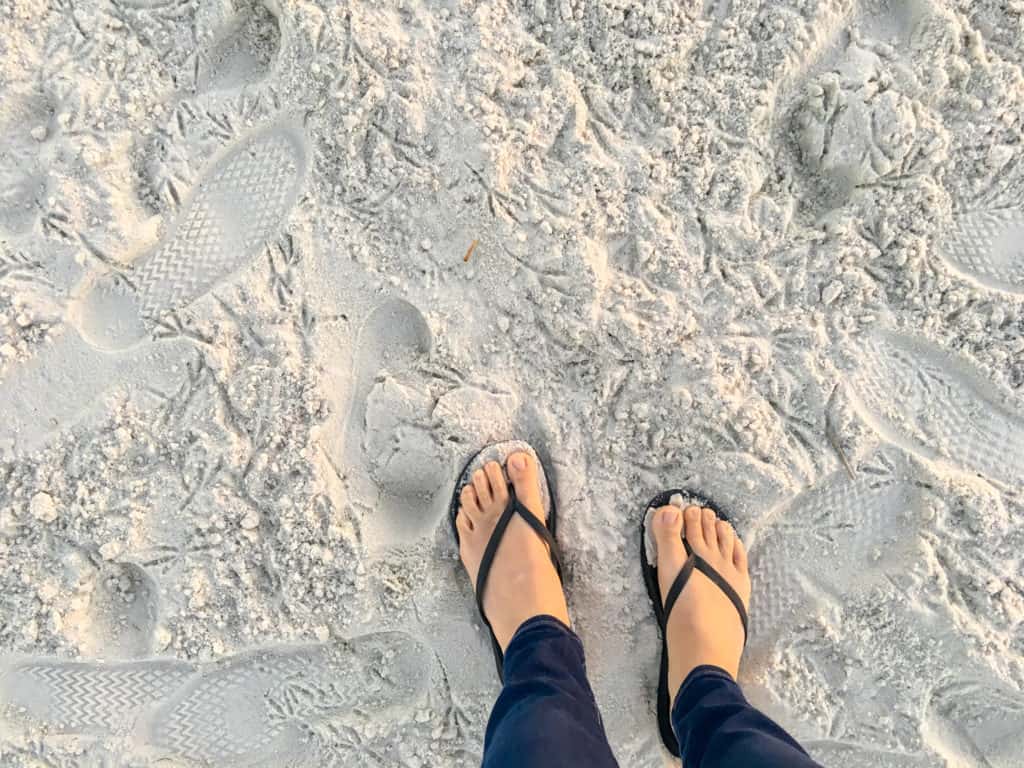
(500, 452)
(648, 554)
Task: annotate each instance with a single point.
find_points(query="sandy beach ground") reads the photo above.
(271, 271)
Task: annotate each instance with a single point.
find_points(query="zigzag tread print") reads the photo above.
(235, 208)
(239, 204)
(988, 246)
(833, 539)
(933, 404)
(259, 707)
(84, 697)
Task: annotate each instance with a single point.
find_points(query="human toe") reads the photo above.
(482, 486)
(667, 526)
(498, 484)
(522, 470)
(468, 504)
(692, 526)
(726, 539)
(709, 528)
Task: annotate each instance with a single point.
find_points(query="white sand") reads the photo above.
(773, 251)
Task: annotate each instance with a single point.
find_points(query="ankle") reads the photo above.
(692, 644)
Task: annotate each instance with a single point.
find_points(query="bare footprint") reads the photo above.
(25, 123)
(64, 385)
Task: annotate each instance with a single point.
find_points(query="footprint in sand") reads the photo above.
(827, 105)
(60, 387)
(26, 123)
(115, 612)
(830, 540)
(923, 399)
(238, 205)
(388, 431)
(988, 246)
(243, 52)
(975, 723)
(836, 124)
(86, 698)
(263, 705)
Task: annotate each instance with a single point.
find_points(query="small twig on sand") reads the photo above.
(833, 437)
(469, 252)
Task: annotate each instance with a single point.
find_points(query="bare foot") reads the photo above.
(523, 582)
(704, 626)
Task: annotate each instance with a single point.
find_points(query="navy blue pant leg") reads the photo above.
(546, 714)
(718, 728)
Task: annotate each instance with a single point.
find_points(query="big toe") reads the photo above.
(667, 526)
(523, 472)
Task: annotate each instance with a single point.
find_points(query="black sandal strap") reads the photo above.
(488, 558)
(696, 562)
(704, 567)
(541, 530)
(677, 587)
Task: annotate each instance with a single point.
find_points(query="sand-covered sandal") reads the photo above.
(682, 498)
(500, 452)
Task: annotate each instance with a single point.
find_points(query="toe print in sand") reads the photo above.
(239, 204)
(925, 400)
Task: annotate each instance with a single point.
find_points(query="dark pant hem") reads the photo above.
(546, 714)
(718, 728)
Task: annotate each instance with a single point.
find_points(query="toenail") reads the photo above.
(669, 515)
(517, 461)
